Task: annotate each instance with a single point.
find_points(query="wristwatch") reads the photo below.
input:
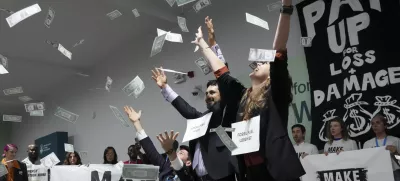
(287, 9)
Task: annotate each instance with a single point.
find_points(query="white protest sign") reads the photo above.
(104, 172)
(246, 136)
(37, 173)
(50, 160)
(196, 128)
(372, 164)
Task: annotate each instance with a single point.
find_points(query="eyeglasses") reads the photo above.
(255, 64)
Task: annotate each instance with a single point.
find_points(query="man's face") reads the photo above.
(212, 95)
(33, 152)
(378, 126)
(298, 136)
(184, 156)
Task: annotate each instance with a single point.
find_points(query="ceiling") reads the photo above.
(37, 66)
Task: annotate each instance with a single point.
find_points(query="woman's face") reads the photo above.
(110, 155)
(10, 154)
(72, 159)
(261, 72)
(336, 129)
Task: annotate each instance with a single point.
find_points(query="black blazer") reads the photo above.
(216, 156)
(281, 159)
(19, 174)
(157, 159)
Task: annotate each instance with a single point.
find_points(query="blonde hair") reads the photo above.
(254, 102)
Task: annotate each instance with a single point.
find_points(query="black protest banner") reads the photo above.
(353, 63)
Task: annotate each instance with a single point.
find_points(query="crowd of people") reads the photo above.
(207, 158)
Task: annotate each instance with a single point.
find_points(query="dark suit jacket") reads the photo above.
(19, 174)
(216, 156)
(157, 159)
(281, 159)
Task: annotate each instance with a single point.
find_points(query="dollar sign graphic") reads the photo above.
(388, 115)
(359, 121)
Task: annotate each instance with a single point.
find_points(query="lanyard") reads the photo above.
(377, 144)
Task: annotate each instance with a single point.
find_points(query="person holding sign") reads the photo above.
(338, 136)
(180, 158)
(17, 171)
(265, 103)
(302, 148)
(379, 126)
(212, 159)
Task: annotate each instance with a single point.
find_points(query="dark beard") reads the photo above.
(216, 107)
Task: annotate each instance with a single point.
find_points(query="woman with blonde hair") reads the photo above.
(269, 97)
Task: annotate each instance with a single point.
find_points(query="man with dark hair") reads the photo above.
(302, 148)
(212, 160)
(134, 152)
(33, 155)
(166, 171)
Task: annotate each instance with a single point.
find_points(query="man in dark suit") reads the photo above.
(211, 158)
(167, 172)
(17, 170)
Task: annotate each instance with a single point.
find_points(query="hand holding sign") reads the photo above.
(392, 149)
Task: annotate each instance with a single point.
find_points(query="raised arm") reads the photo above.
(151, 152)
(186, 110)
(282, 31)
(212, 40)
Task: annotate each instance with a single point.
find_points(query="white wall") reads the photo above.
(235, 37)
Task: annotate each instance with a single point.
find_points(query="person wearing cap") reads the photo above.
(166, 172)
(17, 171)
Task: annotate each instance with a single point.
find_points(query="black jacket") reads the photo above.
(157, 159)
(216, 156)
(281, 159)
(20, 174)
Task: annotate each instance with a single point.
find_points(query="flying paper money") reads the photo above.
(3, 64)
(68, 148)
(274, 6)
(24, 98)
(201, 4)
(64, 51)
(197, 48)
(172, 37)
(34, 106)
(140, 172)
(225, 138)
(183, 2)
(179, 78)
(22, 14)
(108, 83)
(36, 113)
(119, 116)
(172, 71)
(114, 14)
(261, 55)
(12, 118)
(158, 43)
(306, 41)
(203, 65)
(135, 87)
(171, 2)
(16, 90)
(182, 24)
(135, 12)
(66, 115)
(50, 160)
(3, 170)
(53, 44)
(256, 21)
(7, 11)
(79, 43)
(50, 17)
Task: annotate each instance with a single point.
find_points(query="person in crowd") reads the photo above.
(110, 156)
(134, 152)
(379, 126)
(212, 159)
(33, 154)
(155, 158)
(269, 97)
(17, 171)
(73, 158)
(338, 137)
(302, 148)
